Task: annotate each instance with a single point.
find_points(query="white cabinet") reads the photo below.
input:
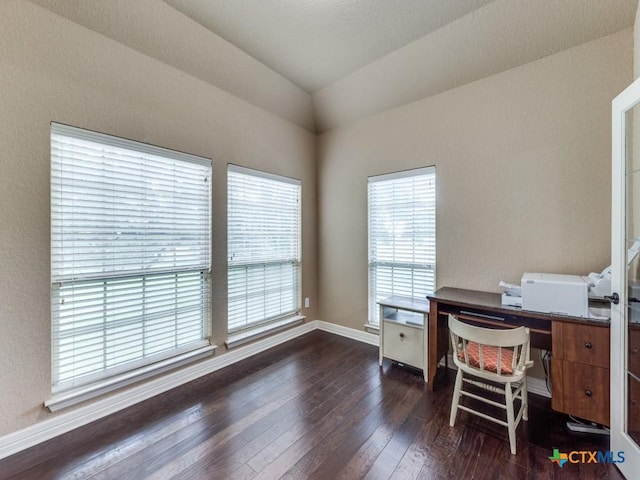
(403, 336)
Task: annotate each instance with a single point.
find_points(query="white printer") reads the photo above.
(555, 293)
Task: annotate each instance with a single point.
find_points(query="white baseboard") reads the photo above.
(538, 386)
(64, 422)
(365, 337)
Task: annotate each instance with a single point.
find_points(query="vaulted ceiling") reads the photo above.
(316, 42)
(382, 53)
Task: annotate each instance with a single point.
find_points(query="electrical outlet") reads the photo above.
(306, 302)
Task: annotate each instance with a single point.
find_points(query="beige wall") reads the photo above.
(175, 39)
(485, 42)
(523, 161)
(53, 69)
(636, 44)
(522, 158)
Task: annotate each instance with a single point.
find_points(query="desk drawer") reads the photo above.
(586, 344)
(403, 343)
(540, 329)
(585, 389)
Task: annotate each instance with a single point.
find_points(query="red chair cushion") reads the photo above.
(490, 356)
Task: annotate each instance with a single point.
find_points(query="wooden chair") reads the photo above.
(496, 355)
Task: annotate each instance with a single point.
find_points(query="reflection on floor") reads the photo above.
(316, 407)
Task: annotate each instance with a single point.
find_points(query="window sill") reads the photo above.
(72, 397)
(249, 335)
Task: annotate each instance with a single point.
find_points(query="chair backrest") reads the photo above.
(501, 352)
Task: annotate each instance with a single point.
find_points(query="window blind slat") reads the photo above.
(130, 254)
(402, 249)
(263, 235)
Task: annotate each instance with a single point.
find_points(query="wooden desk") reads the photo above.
(580, 363)
(481, 308)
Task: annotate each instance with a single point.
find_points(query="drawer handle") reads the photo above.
(588, 345)
(634, 351)
(402, 335)
(588, 393)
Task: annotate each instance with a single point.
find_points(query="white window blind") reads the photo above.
(130, 255)
(263, 235)
(402, 240)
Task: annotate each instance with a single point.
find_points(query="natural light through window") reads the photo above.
(264, 247)
(402, 247)
(130, 255)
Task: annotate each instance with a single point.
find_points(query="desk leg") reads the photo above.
(381, 336)
(438, 341)
(432, 363)
(425, 347)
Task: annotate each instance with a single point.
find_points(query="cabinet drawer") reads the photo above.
(403, 344)
(585, 391)
(587, 344)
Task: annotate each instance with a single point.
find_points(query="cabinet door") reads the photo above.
(404, 344)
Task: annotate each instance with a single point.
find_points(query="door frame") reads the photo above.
(620, 440)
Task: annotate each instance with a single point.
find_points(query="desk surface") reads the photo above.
(493, 302)
(486, 308)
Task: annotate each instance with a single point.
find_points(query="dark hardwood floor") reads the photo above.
(316, 407)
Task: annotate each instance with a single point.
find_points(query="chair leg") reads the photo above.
(525, 400)
(508, 393)
(456, 398)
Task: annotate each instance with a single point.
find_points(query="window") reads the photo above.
(402, 236)
(263, 245)
(130, 255)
